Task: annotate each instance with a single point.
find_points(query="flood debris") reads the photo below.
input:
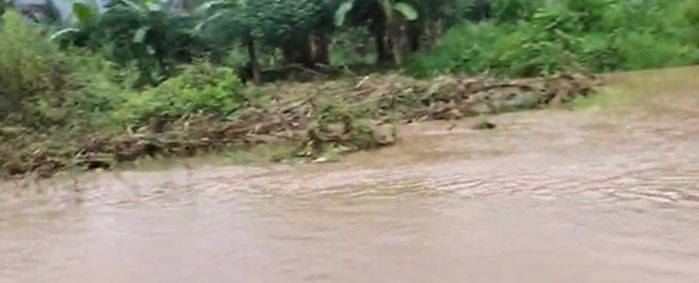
(346, 115)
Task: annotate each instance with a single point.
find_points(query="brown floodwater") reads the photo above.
(608, 192)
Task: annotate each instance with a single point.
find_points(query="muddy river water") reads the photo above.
(606, 193)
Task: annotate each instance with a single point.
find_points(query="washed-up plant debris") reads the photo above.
(345, 115)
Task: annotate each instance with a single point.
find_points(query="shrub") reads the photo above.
(502, 50)
(99, 87)
(690, 13)
(31, 67)
(598, 36)
(463, 49)
(200, 88)
(644, 50)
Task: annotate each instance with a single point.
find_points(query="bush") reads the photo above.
(30, 68)
(44, 86)
(200, 88)
(100, 87)
(501, 50)
(690, 13)
(644, 50)
(598, 36)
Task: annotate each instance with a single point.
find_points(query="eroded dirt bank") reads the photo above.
(606, 193)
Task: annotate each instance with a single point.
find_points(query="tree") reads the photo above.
(391, 19)
(152, 35)
(515, 10)
(369, 14)
(230, 22)
(299, 28)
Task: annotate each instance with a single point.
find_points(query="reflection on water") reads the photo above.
(608, 195)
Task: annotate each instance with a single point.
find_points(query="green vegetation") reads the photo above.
(139, 79)
(532, 38)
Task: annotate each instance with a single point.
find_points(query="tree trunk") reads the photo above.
(299, 52)
(254, 63)
(397, 32)
(413, 36)
(480, 11)
(319, 49)
(399, 41)
(433, 30)
(382, 50)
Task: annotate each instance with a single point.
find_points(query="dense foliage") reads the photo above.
(505, 37)
(531, 38)
(148, 42)
(199, 89)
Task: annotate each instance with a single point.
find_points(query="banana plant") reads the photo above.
(227, 22)
(406, 10)
(396, 15)
(149, 33)
(84, 16)
(88, 15)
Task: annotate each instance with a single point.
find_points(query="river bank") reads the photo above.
(307, 121)
(605, 193)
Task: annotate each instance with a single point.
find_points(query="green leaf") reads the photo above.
(407, 10)
(136, 5)
(200, 26)
(64, 32)
(84, 13)
(342, 11)
(206, 7)
(150, 2)
(140, 35)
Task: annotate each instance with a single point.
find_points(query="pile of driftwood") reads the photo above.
(342, 113)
